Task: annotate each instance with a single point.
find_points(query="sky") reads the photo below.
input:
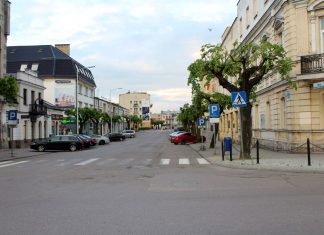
(136, 45)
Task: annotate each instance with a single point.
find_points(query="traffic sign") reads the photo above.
(12, 115)
(201, 122)
(318, 85)
(239, 99)
(214, 110)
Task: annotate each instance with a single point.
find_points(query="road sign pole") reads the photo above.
(241, 132)
(215, 137)
(11, 137)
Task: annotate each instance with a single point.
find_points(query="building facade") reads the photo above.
(139, 104)
(112, 110)
(283, 118)
(65, 79)
(4, 33)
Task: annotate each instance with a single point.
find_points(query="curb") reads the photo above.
(259, 167)
(22, 157)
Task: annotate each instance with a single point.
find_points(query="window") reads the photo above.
(34, 67)
(80, 89)
(322, 35)
(25, 96)
(86, 91)
(32, 97)
(130, 102)
(39, 95)
(247, 17)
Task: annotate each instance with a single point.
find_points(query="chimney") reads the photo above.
(64, 48)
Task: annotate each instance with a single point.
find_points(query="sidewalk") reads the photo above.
(269, 160)
(5, 154)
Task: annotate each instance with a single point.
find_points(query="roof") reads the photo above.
(51, 62)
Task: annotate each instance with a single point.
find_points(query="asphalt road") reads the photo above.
(149, 186)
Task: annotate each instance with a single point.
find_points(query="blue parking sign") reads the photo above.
(12, 115)
(214, 110)
(201, 122)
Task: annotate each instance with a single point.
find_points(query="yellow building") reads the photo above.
(139, 104)
(283, 118)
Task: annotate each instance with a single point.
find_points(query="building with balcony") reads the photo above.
(139, 104)
(37, 119)
(283, 118)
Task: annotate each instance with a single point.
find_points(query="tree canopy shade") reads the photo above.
(241, 69)
(9, 88)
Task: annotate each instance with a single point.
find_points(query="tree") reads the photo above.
(96, 118)
(105, 119)
(248, 64)
(128, 121)
(9, 88)
(85, 115)
(136, 121)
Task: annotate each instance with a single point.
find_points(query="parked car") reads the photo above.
(58, 142)
(101, 139)
(129, 133)
(92, 140)
(116, 136)
(175, 133)
(184, 138)
(85, 141)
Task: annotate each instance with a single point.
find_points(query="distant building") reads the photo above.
(111, 109)
(169, 118)
(139, 104)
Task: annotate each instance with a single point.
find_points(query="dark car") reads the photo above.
(92, 140)
(58, 142)
(115, 136)
(184, 138)
(85, 142)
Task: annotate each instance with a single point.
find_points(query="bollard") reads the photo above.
(223, 151)
(231, 157)
(257, 149)
(308, 152)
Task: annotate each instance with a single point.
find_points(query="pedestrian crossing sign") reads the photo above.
(239, 99)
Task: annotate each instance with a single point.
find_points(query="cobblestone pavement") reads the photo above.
(269, 160)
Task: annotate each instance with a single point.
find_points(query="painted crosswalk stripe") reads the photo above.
(184, 161)
(165, 161)
(12, 164)
(86, 162)
(6, 162)
(202, 161)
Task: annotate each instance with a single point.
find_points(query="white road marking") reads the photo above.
(146, 162)
(184, 161)
(165, 161)
(12, 164)
(202, 161)
(86, 162)
(6, 162)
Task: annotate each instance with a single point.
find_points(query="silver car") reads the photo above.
(129, 133)
(101, 140)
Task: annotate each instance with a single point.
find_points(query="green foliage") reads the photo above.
(9, 88)
(156, 122)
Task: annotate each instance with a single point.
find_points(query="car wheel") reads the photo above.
(183, 141)
(41, 148)
(72, 147)
(101, 142)
(175, 143)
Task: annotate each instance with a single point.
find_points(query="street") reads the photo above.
(145, 185)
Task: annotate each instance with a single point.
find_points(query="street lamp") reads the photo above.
(112, 108)
(76, 97)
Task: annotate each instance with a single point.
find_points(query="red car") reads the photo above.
(184, 138)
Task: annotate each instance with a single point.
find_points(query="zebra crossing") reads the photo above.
(108, 161)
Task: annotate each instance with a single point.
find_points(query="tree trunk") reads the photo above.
(246, 131)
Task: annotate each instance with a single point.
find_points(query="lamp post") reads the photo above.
(76, 97)
(112, 108)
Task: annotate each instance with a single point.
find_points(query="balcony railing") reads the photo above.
(37, 110)
(312, 63)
